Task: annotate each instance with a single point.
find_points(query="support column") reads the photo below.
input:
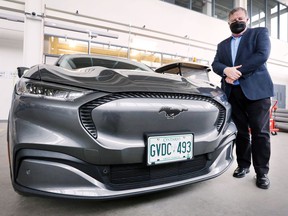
(33, 33)
(240, 3)
(207, 8)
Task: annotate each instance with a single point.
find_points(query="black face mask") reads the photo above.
(237, 27)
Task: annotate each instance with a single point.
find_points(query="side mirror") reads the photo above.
(21, 71)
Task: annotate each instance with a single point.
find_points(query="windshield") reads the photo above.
(74, 63)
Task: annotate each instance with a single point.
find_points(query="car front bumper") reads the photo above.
(71, 178)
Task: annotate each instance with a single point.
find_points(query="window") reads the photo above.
(271, 14)
(196, 5)
(283, 23)
(183, 3)
(263, 13)
(258, 13)
(222, 9)
(273, 10)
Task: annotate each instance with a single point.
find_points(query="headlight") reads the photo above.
(32, 88)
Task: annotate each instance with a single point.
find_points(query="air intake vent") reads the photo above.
(131, 176)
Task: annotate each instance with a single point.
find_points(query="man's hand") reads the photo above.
(229, 80)
(232, 73)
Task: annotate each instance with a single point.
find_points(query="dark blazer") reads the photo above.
(252, 54)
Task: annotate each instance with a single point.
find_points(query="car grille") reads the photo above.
(140, 175)
(85, 110)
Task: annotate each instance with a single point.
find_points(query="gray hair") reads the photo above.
(237, 9)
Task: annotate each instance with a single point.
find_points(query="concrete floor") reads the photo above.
(223, 195)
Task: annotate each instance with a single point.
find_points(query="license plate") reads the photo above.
(170, 148)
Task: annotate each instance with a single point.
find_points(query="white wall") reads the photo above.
(154, 14)
(278, 62)
(160, 16)
(11, 56)
(205, 33)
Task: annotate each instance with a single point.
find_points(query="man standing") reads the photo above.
(241, 62)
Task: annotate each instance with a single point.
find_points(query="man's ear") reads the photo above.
(248, 21)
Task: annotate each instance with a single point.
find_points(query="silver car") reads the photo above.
(100, 127)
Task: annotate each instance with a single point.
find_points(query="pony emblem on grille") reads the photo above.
(171, 113)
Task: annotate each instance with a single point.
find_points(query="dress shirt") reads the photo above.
(235, 41)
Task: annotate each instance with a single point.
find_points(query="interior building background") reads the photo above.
(154, 32)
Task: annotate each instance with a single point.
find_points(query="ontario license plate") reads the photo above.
(170, 148)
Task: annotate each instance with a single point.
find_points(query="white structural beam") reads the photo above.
(240, 3)
(33, 33)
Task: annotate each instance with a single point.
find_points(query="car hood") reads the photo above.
(108, 80)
